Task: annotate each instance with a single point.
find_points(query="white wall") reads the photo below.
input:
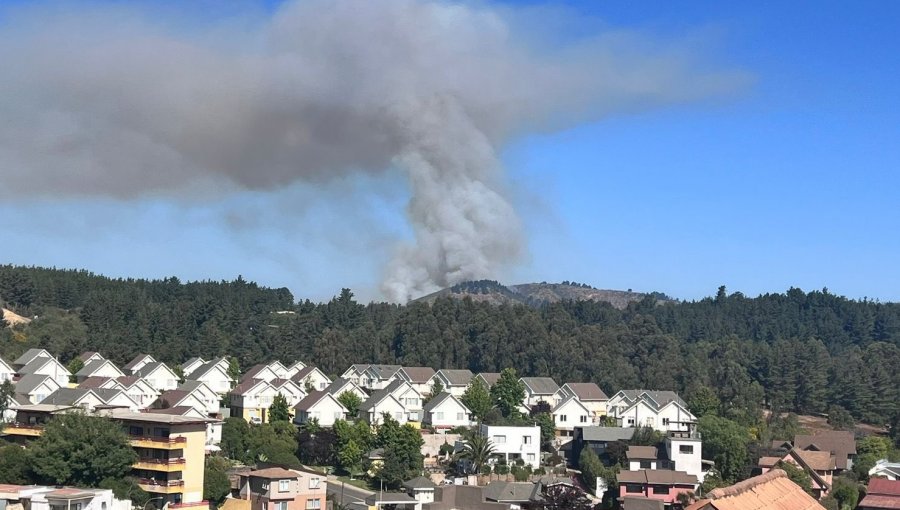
(516, 442)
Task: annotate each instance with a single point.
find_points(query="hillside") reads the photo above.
(536, 294)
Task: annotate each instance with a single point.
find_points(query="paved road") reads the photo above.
(349, 493)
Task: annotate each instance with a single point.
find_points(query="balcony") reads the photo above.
(161, 487)
(164, 465)
(158, 443)
(21, 429)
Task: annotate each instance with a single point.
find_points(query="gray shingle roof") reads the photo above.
(419, 482)
(92, 366)
(489, 378)
(660, 397)
(66, 396)
(376, 399)
(587, 392)
(35, 365)
(27, 383)
(150, 367)
(437, 400)
(508, 491)
(457, 377)
(337, 386)
(384, 372)
(540, 385)
(29, 356)
(608, 434)
(419, 375)
(137, 359)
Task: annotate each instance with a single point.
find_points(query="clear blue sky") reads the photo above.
(793, 181)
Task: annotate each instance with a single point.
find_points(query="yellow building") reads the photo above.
(171, 449)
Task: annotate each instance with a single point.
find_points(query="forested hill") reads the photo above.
(806, 352)
(536, 294)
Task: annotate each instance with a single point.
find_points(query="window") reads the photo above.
(631, 422)
(665, 421)
(314, 483)
(398, 416)
(438, 416)
(660, 489)
(633, 488)
(281, 505)
(562, 418)
(313, 504)
(526, 439)
(645, 464)
(460, 416)
(686, 448)
(284, 485)
(499, 439)
(582, 419)
(530, 457)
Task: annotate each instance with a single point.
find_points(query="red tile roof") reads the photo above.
(771, 490)
(884, 487)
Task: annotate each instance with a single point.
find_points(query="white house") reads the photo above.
(108, 383)
(454, 382)
(191, 364)
(90, 399)
(512, 443)
(355, 373)
(98, 368)
(311, 378)
(290, 390)
(292, 369)
(381, 402)
(588, 394)
(278, 369)
(445, 411)
(138, 362)
(6, 372)
(417, 377)
(137, 389)
(321, 406)
(568, 414)
(214, 375)
(663, 410)
(488, 379)
(34, 388)
(341, 385)
(42, 365)
(885, 469)
(180, 399)
(411, 399)
(251, 400)
(209, 399)
(377, 377)
(261, 371)
(540, 389)
(29, 356)
(683, 449)
(88, 356)
(159, 375)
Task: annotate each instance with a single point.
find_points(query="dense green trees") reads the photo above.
(279, 410)
(796, 351)
(216, 485)
(351, 401)
(478, 399)
(725, 442)
(508, 392)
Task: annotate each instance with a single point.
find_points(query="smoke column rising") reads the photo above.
(112, 101)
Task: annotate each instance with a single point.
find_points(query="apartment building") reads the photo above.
(513, 443)
(276, 488)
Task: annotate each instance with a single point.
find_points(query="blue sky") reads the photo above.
(791, 181)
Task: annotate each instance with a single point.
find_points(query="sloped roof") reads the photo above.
(95, 382)
(303, 373)
(314, 398)
(636, 503)
(137, 359)
(150, 367)
(245, 386)
(84, 356)
(884, 487)
(28, 383)
(279, 383)
(67, 396)
(384, 371)
(377, 398)
(39, 363)
(657, 476)
(564, 402)
(768, 461)
(107, 394)
(92, 366)
(508, 491)
(206, 368)
(819, 461)
(642, 452)
(419, 482)
(273, 473)
(660, 398)
(840, 443)
(489, 378)
(880, 502)
(255, 369)
(128, 380)
(540, 385)
(29, 355)
(587, 391)
(608, 434)
(337, 385)
(175, 411)
(440, 399)
(771, 490)
(419, 375)
(172, 397)
(457, 377)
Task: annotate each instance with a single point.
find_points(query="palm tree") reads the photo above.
(477, 451)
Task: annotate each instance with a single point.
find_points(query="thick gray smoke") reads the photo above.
(112, 102)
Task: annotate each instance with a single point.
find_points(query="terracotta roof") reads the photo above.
(840, 443)
(884, 487)
(587, 392)
(768, 461)
(771, 490)
(879, 501)
(273, 473)
(641, 452)
(419, 375)
(657, 476)
(819, 461)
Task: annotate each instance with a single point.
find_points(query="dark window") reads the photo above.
(632, 488)
(686, 448)
(660, 489)
(645, 464)
(135, 431)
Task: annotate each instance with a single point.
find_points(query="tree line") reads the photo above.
(805, 352)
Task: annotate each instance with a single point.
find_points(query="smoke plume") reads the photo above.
(117, 102)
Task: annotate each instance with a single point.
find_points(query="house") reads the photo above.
(377, 377)
(662, 410)
(180, 399)
(205, 395)
(522, 495)
(290, 390)
(597, 439)
(90, 399)
(88, 356)
(818, 464)
(881, 494)
(311, 378)
(513, 443)
(540, 389)
(158, 374)
(6, 372)
(41, 497)
(277, 488)
(421, 489)
(417, 377)
(380, 403)
(261, 371)
(137, 362)
(568, 414)
(454, 381)
(771, 490)
(841, 444)
(590, 395)
(251, 399)
(214, 374)
(341, 385)
(138, 390)
(213, 427)
(101, 382)
(885, 469)
(29, 356)
(289, 371)
(98, 368)
(43, 365)
(191, 364)
(663, 485)
(680, 451)
(411, 399)
(355, 373)
(33, 388)
(321, 406)
(445, 411)
(488, 379)
(278, 369)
